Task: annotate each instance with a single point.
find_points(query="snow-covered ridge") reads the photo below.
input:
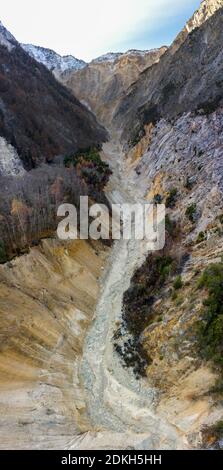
(59, 64)
(109, 57)
(114, 56)
(53, 61)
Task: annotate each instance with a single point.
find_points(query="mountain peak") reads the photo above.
(53, 61)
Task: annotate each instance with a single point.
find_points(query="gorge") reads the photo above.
(104, 346)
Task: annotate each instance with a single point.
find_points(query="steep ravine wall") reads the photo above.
(183, 157)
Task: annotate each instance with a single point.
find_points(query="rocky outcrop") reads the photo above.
(103, 82)
(10, 163)
(38, 115)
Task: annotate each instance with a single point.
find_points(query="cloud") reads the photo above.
(88, 28)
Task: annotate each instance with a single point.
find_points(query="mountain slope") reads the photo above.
(187, 80)
(38, 115)
(103, 82)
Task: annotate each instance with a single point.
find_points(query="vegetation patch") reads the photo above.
(178, 284)
(137, 312)
(202, 237)
(171, 198)
(90, 168)
(157, 199)
(210, 327)
(191, 212)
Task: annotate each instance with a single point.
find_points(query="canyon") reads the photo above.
(63, 382)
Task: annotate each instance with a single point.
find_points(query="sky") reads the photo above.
(90, 28)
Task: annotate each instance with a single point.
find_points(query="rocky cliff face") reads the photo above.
(103, 82)
(189, 79)
(180, 163)
(206, 10)
(39, 116)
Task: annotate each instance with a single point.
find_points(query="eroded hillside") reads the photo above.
(47, 301)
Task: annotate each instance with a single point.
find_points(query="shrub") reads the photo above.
(171, 198)
(191, 212)
(164, 267)
(201, 237)
(178, 283)
(3, 255)
(157, 199)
